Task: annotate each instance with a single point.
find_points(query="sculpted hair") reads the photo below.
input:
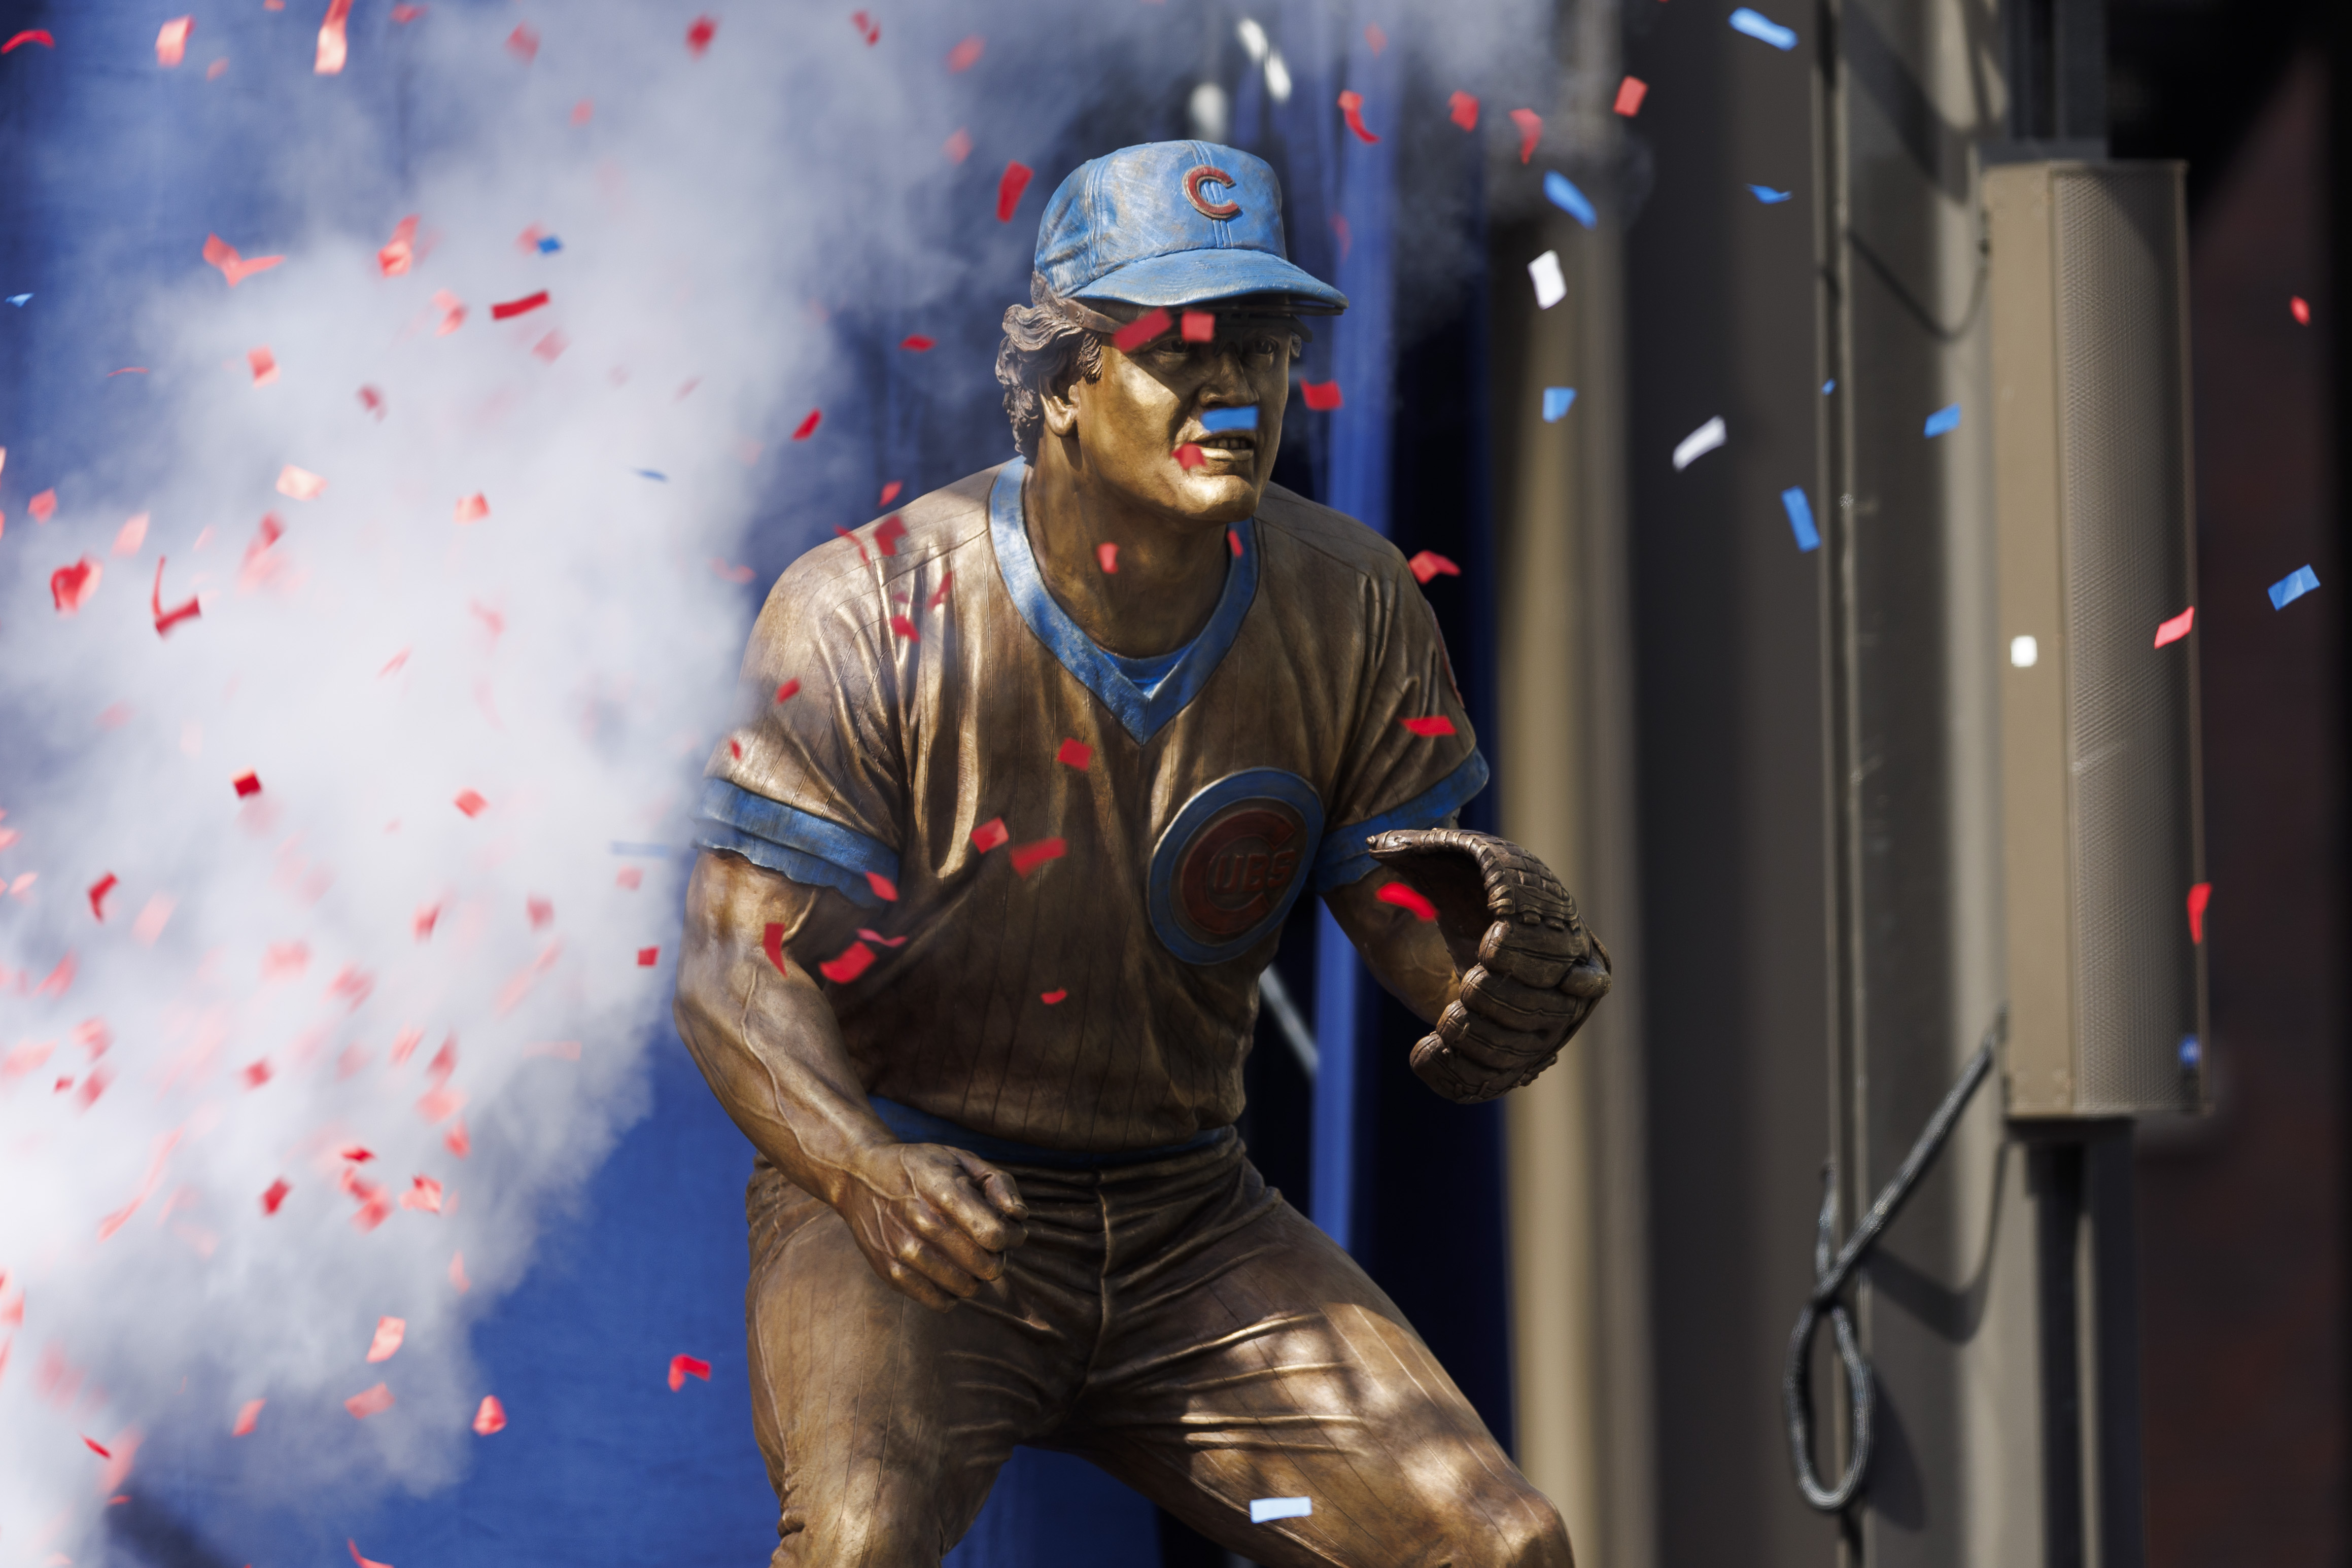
(1043, 347)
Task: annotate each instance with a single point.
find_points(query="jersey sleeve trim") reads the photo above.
(1141, 714)
(795, 843)
(1344, 857)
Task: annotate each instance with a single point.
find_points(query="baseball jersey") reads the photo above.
(1083, 863)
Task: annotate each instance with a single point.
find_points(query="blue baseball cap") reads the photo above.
(1170, 223)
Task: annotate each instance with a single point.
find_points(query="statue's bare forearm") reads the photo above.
(766, 1038)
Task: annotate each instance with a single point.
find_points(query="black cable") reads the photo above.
(1829, 1283)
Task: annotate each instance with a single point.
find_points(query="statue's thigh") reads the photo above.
(884, 1423)
(1275, 1368)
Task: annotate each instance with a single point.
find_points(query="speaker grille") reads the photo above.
(2126, 543)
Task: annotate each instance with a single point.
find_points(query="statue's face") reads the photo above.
(1131, 421)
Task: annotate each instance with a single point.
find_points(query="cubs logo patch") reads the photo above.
(1201, 174)
(1236, 857)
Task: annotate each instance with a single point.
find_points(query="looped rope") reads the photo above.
(1830, 1277)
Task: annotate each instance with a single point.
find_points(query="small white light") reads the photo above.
(1209, 113)
(1277, 77)
(2024, 651)
(1253, 38)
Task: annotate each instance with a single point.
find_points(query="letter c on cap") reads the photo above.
(1208, 174)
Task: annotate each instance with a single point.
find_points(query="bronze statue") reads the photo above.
(1037, 768)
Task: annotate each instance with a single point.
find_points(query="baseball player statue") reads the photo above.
(1035, 770)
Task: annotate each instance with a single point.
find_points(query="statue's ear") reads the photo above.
(1060, 405)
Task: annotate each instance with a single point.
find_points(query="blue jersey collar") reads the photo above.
(1140, 714)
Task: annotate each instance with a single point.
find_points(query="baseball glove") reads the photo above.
(1530, 972)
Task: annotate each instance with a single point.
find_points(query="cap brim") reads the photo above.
(1197, 277)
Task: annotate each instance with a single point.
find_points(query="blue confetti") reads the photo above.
(651, 474)
(2293, 586)
(1564, 196)
(550, 246)
(2191, 1053)
(1800, 518)
(1763, 29)
(1829, 386)
(1767, 195)
(18, 301)
(1218, 419)
(1943, 421)
(1558, 401)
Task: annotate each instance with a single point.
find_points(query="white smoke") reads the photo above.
(415, 939)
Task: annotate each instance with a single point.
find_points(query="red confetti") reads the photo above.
(551, 347)
(988, 834)
(851, 962)
(362, 1562)
(373, 1402)
(1027, 858)
(93, 1446)
(1530, 126)
(400, 252)
(372, 401)
(256, 1073)
(1188, 457)
(1199, 327)
(1376, 37)
(631, 878)
(71, 586)
(807, 427)
(966, 55)
(2198, 897)
(1321, 396)
(424, 1193)
(1108, 555)
(2300, 307)
(1427, 564)
(473, 508)
(648, 956)
(358, 1155)
(915, 342)
(456, 1140)
(1404, 897)
(264, 363)
(958, 146)
(905, 628)
(867, 27)
(1463, 109)
(1009, 187)
(584, 111)
(1630, 93)
(887, 537)
(408, 13)
(491, 1418)
(523, 40)
(246, 784)
(300, 483)
(333, 47)
(511, 307)
(853, 538)
(247, 1419)
(884, 888)
(167, 619)
(772, 942)
(1141, 330)
(940, 594)
(98, 892)
(2174, 630)
(890, 492)
(1050, 998)
(1234, 538)
(1352, 105)
(234, 267)
(682, 1367)
(698, 36)
(172, 41)
(43, 507)
(389, 1333)
(1075, 754)
(1435, 723)
(30, 35)
(470, 802)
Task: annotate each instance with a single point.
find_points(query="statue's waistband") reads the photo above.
(913, 1126)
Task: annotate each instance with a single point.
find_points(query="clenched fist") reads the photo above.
(1530, 972)
(934, 1222)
